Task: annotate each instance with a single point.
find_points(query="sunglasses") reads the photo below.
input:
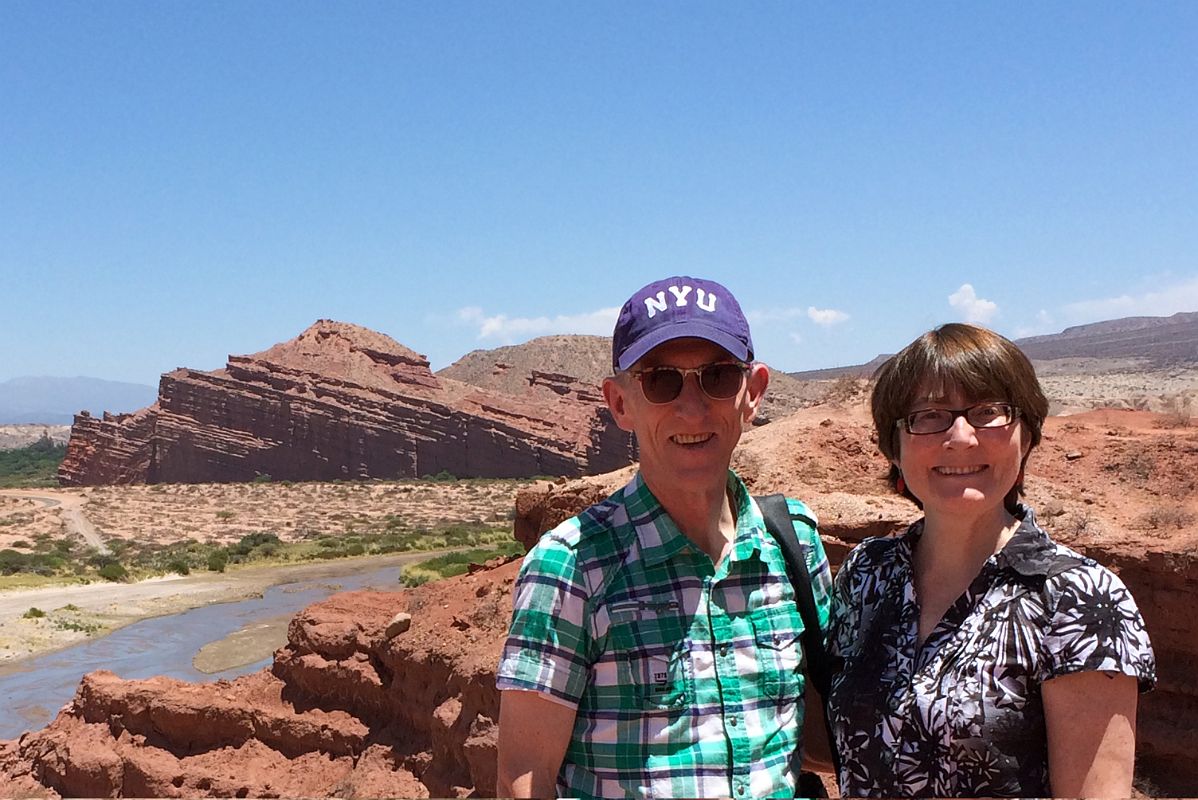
(718, 381)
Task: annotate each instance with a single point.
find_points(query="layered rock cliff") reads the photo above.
(343, 402)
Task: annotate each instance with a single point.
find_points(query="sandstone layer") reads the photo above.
(343, 402)
(356, 705)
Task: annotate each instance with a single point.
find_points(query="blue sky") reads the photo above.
(180, 181)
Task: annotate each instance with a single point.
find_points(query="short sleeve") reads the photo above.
(1095, 625)
(547, 646)
(817, 560)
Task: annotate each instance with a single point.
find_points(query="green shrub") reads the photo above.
(113, 572)
(34, 613)
(262, 477)
(179, 566)
(35, 465)
(355, 549)
(217, 561)
(247, 543)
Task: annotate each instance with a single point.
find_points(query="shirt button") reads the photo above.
(723, 650)
(740, 790)
(733, 720)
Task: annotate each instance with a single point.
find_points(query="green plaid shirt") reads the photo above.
(687, 677)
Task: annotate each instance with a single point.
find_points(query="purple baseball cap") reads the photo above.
(679, 308)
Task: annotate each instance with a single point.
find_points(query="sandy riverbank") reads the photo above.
(78, 612)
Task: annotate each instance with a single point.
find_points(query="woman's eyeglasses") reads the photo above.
(718, 381)
(938, 420)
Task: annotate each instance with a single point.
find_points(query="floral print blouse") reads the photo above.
(962, 715)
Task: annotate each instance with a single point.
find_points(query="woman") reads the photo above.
(980, 658)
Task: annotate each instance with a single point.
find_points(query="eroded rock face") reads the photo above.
(343, 402)
(344, 712)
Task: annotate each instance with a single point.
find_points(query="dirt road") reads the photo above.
(70, 509)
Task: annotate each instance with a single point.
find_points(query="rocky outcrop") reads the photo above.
(346, 711)
(343, 402)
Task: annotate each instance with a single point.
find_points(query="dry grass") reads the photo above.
(165, 514)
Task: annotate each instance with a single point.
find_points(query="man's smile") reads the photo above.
(691, 438)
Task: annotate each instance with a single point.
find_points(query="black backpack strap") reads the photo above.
(780, 524)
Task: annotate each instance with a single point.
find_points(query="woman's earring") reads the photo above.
(901, 485)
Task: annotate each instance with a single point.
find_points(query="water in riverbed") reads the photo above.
(32, 692)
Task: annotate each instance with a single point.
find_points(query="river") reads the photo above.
(33, 690)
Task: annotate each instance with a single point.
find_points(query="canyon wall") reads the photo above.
(344, 402)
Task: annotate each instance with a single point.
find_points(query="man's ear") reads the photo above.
(615, 392)
(755, 386)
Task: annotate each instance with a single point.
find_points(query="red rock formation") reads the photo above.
(341, 401)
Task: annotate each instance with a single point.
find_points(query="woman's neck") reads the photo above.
(953, 547)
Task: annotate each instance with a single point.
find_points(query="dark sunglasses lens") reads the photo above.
(721, 381)
(661, 385)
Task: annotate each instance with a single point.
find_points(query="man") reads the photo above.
(653, 650)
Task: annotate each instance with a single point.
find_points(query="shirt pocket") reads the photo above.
(776, 630)
(653, 652)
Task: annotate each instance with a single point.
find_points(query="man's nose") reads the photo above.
(691, 399)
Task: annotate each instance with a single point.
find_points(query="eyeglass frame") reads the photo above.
(904, 422)
(639, 374)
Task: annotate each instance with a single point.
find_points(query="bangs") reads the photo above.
(977, 375)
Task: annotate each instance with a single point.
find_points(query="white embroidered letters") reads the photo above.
(704, 300)
(655, 304)
(680, 294)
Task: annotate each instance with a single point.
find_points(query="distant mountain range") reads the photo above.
(56, 401)
(1157, 341)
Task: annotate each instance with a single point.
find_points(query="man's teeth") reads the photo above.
(684, 438)
(959, 470)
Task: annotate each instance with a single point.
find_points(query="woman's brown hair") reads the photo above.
(980, 363)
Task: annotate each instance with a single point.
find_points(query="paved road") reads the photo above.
(71, 509)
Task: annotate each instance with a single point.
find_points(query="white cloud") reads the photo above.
(973, 308)
(796, 338)
(826, 316)
(762, 316)
(820, 316)
(512, 330)
(1161, 302)
(1043, 323)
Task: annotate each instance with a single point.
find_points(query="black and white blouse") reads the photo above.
(962, 714)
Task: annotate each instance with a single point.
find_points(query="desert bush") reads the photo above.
(355, 549)
(113, 572)
(34, 613)
(451, 564)
(217, 561)
(1177, 412)
(250, 541)
(1162, 517)
(225, 515)
(179, 566)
